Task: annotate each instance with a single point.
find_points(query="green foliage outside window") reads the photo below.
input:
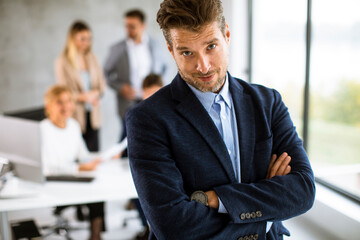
(343, 106)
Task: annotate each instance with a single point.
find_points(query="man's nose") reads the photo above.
(203, 64)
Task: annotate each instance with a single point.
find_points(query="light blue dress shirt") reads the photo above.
(221, 110)
(86, 81)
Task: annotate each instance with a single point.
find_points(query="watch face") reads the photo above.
(200, 197)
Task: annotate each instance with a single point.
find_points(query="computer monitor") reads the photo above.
(20, 143)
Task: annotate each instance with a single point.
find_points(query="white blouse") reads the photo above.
(61, 147)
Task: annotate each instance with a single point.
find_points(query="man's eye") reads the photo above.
(186, 53)
(212, 46)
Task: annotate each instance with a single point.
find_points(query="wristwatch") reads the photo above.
(200, 197)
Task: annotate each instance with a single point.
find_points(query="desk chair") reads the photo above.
(61, 226)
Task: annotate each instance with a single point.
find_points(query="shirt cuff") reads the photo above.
(268, 226)
(222, 208)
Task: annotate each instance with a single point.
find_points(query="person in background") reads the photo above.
(151, 84)
(63, 148)
(131, 60)
(78, 69)
(212, 156)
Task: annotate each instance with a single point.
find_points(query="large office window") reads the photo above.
(279, 31)
(279, 60)
(334, 128)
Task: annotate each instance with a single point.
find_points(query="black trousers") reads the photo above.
(91, 136)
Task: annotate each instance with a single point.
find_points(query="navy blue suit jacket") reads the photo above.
(176, 149)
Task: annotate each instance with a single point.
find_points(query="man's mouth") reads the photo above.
(206, 78)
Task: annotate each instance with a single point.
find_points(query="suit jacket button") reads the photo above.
(253, 215)
(258, 214)
(242, 216)
(248, 215)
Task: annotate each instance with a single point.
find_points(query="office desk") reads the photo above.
(113, 182)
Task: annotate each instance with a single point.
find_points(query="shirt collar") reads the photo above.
(207, 98)
(144, 40)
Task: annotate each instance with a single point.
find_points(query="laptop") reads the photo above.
(88, 176)
(69, 178)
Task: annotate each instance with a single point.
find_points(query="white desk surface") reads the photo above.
(113, 182)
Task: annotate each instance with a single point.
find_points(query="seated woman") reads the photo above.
(63, 148)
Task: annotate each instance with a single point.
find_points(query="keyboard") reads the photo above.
(69, 178)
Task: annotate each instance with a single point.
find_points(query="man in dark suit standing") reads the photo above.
(210, 153)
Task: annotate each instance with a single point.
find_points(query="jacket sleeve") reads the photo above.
(160, 187)
(115, 79)
(63, 77)
(280, 197)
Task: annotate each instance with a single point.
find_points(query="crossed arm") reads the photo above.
(277, 167)
(166, 202)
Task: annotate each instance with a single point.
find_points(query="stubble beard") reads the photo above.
(203, 86)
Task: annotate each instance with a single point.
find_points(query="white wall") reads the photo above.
(33, 34)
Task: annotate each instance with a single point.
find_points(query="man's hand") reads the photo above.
(213, 200)
(128, 92)
(279, 166)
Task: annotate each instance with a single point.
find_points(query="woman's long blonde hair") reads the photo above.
(70, 51)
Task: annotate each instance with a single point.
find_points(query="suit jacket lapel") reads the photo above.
(191, 108)
(244, 111)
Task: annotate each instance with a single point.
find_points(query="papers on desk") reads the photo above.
(114, 150)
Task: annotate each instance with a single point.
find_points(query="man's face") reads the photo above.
(134, 28)
(201, 57)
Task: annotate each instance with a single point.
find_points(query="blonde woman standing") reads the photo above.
(78, 69)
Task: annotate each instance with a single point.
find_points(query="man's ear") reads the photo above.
(170, 49)
(227, 34)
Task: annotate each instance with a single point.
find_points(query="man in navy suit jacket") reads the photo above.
(202, 174)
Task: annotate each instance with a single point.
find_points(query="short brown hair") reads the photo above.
(189, 14)
(137, 13)
(152, 80)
